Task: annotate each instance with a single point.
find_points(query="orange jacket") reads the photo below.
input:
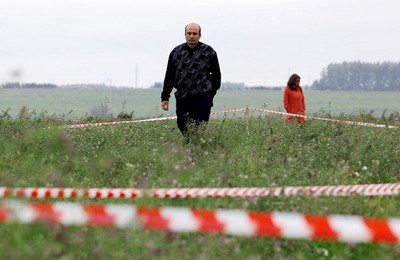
(293, 101)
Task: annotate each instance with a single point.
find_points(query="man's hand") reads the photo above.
(165, 105)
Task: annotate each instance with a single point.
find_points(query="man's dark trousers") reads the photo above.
(193, 110)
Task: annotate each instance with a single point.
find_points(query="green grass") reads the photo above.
(35, 152)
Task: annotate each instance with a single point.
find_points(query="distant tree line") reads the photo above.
(360, 76)
(28, 85)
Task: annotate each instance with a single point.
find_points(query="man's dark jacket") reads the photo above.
(191, 71)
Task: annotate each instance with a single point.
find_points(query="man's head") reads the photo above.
(192, 34)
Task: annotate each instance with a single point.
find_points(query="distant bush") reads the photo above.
(101, 112)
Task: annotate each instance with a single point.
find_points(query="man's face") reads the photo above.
(192, 35)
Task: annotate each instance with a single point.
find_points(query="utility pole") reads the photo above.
(136, 75)
(109, 84)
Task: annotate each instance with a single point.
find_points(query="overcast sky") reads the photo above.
(259, 42)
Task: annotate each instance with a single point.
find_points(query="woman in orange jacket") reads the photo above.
(293, 99)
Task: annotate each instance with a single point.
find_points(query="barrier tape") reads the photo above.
(143, 120)
(231, 111)
(121, 122)
(348, 122)
(341, 190)
(346, 228)
(228, 111)
(386, 189)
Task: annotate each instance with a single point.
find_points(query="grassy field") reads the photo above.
(226, 153)
(73, 103)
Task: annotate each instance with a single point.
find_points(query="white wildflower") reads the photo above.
(376, 162)
(323, 251)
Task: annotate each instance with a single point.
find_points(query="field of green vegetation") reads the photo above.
(144, 103)
(36, 152)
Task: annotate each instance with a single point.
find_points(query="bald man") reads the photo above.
(193, 70)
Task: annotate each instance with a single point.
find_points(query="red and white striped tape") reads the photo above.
(385, 189)
(144, 120)
(231, 111)
(121, 122)
(346, 228)
(93, 193)
(348, 122)
(340, 190)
